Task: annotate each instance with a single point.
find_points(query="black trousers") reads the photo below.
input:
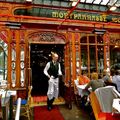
(50, 102)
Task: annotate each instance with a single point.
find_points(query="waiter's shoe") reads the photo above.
(49, 108)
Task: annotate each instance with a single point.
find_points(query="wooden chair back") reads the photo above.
(95, 105)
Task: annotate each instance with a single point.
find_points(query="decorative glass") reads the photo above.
(13, 54)
(13, 65)
(3, 60)
(22, 78)
(13, 75)
(22, 65)
(22, 54)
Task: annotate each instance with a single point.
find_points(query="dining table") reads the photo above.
(81, 88)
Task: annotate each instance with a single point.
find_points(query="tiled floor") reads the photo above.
(76, 113)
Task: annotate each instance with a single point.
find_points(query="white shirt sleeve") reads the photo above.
(46, 69)
(59, 70)
(114, 78)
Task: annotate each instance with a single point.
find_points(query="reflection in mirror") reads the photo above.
(92, 58)
(100, 59)
(107, 59)
(84, 58)
(13, 54)
(22, 78)
(13, 65)
(22, 54)
(114, 57)
(3, 60)
(13, 78)
(22, 65)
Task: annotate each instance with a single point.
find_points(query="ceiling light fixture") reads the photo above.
(113, 8)
(74, 3)
(30, 1)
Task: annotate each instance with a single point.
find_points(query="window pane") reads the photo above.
(100, 59)
(84, 59)
(3, 60)
(92, 58)
(115, 57)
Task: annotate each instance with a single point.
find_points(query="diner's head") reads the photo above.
(112, 72)
(84, 72)
(94, 76)
(54, 56)
(105, 72)
(116, 72)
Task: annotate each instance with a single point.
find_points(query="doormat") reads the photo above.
(39, 99)
(42, 113)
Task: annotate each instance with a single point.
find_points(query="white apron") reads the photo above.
(53, 88)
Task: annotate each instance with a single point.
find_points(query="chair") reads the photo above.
(105, 96)
(96, 106)
(25, 105)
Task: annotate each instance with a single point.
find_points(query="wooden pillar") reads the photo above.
(9, 58)
(17, 37)
(73, 62)
(78, 52)
(72, 55)
(106, 39)
(67, 58)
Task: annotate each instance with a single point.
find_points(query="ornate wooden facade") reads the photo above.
(83, 50)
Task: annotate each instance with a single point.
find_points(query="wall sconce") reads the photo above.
(99, 31)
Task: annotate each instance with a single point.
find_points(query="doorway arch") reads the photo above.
(41, 45)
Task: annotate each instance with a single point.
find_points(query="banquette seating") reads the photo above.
(101, 101)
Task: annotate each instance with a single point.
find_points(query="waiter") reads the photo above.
(52, 70)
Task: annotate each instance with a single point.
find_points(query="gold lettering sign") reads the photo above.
(86, 17)
(75, 15)
(116, 20)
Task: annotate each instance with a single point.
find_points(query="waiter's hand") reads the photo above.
(48, 76)
(51, 77)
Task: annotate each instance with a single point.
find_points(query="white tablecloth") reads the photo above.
(5, 94)
(80, 88)
(116, 104)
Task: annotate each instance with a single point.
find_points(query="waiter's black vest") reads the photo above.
(53, 70)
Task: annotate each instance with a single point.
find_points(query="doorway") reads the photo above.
(40, 54)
